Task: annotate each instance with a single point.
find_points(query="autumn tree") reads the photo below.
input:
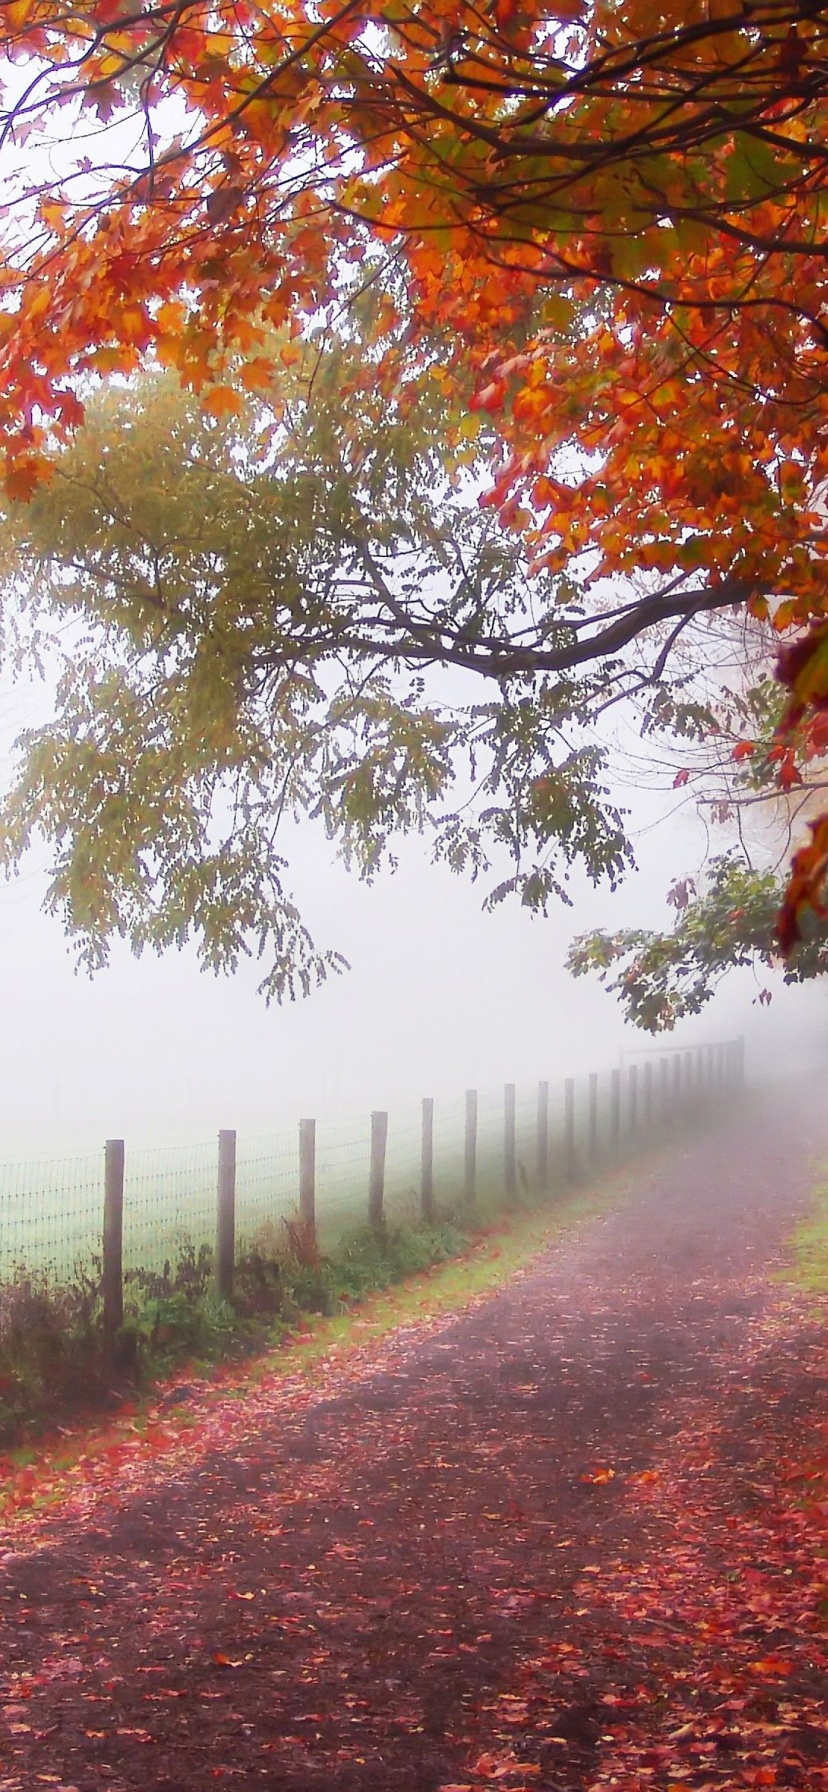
(252, 618)
(606, 225)
(714, 744)
(726, 923)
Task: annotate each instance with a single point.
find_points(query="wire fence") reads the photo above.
(141, 1209)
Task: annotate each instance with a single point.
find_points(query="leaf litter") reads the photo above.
(407, 1571)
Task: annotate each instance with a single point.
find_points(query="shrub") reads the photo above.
(51, 1336)
(53, 1353)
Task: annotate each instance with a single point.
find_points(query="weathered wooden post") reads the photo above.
(664, 1090)
(543, 1137)
(648, 1095)
(677, 1079)
(376, 1177)
(569, 1130)
(592, 1123)
(427, 1161)
(113, 1240)
(688, 1077)
(226, 1215)
(307, 1177)
(633, 1100)
(509, 1142)
(470, 1149)
(615, 1112)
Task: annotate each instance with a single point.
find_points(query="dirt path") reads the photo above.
(547, 1544)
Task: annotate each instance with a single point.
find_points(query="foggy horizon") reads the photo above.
(440, 996)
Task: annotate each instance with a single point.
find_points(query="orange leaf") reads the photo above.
(223, 401)
(23, 478)
(805, 885)
(786, 614)
(258, 374)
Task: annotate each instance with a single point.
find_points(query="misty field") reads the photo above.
(51, 1210)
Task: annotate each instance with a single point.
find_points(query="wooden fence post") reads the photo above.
(688, 1076)
(677, 1079)
(664, 1092)
(509, 1142)
(226, 1215)
(376, 1180)
(648, 1095)
(113, 1235)
(633, 1094)
(543, 1136)
(427, 1161)
(307, 1177)
(569, 1130)
(615, 1112)
(593, 1114)
(470, 1149)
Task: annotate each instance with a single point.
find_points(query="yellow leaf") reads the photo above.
(18, 14)
(785, 614)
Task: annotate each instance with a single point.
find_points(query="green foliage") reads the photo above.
(52, 1350)
(51, 1345)
(250, 616)
(369, 1260)
(660, 978)
(808, 1246)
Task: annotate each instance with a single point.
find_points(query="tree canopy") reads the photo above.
(596, 229)
(257, 619)
(661, 978)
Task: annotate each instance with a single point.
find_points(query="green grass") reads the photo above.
(808, 1247)
(286, 1317)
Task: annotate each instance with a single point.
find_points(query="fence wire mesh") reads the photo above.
(50, 1214)
(267, 1184)
(169, 1203)
(528, 1140)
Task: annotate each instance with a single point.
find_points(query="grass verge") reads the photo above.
(369, 1289)
(808, 1247)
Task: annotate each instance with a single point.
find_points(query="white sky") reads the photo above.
(440, 997)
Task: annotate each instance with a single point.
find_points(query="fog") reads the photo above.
(439, 996)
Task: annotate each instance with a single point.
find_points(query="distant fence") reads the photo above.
(134, 1209)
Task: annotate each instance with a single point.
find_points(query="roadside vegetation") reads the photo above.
(56, 1369)
(56, 1359)
(808, 1246)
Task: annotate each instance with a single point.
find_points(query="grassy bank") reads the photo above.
(808, 1246)
(288, 1299)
